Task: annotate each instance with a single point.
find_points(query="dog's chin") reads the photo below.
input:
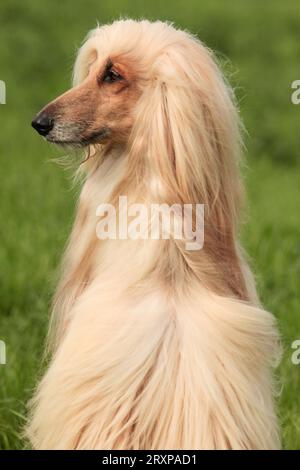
(80, 141)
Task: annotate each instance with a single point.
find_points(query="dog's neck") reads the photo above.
(219, 266)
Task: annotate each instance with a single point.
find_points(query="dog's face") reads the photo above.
(99, 110)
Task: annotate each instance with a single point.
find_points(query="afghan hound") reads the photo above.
(154, 346)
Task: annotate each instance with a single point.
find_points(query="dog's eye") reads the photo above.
(111, 76)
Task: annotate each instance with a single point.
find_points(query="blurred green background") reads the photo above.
(258, 44)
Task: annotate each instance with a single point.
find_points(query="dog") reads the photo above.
(154, 346)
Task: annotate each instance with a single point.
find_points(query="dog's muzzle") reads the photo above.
(42, 123)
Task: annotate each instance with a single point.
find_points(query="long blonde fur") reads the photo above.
(154, 346)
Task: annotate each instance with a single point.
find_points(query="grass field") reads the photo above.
(38, 41)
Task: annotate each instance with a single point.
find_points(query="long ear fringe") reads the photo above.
(189, 153)
(191, 133)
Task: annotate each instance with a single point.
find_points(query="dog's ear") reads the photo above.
(186, 143)
(187, 129)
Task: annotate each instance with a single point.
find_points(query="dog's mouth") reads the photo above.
(77, 139)
(77, 134)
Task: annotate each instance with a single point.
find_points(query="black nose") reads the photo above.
(43, 123)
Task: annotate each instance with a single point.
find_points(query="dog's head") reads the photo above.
(158, 92)
(130, 71)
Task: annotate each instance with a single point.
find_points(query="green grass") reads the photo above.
(37, 48)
